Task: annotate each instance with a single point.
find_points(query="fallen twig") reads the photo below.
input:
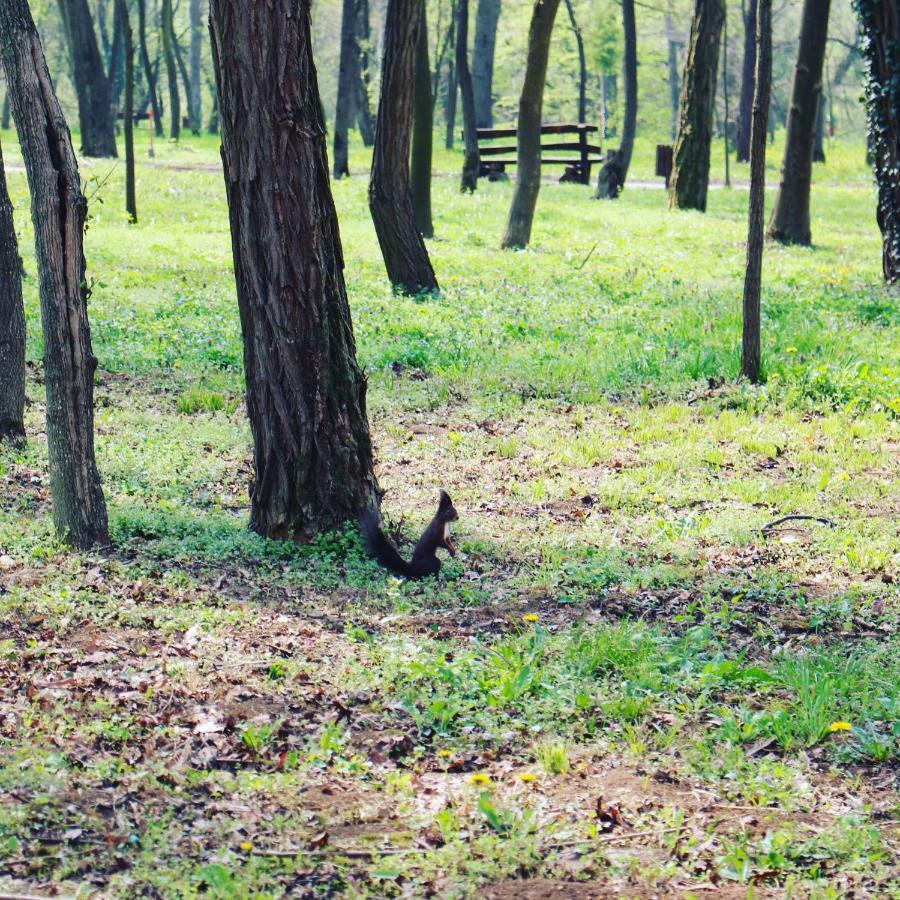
(584, 261)
(796, 517)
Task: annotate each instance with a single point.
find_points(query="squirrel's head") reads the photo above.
(446, 509)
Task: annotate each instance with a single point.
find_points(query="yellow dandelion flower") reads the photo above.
(844, 476)
(527, 777)
(840, 726)
(479, 779)
(530, 617)
(658, 499)
(445, 753)
(790, 349)
(246, 846)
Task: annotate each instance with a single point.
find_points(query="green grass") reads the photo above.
(619, 681)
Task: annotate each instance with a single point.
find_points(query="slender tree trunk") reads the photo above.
(880, 26)
(390, 194)
(582, 64)
(748, 84)
(726, 98)
(751, 354)
(486, 20)
(149, 74)
(528, 165)
(92, 87)
(306, 395)
(167, 33)
(690, 172)
(604, 112)
(451, 87)
(471, 160)
(5, 116)
(674, 80)
(128, 38)
(364, 118)
(185, 80)
(790, 216)
(114, 72)
(212, 126)
(12, 325)
(423, 134)
(196, 55)
(348, 85)
(818, 152)
(58, 209)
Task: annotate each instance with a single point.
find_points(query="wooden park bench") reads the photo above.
(578, 159)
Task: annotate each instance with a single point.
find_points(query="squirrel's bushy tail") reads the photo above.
(378, 544)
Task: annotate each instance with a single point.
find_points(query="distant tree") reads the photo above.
(58, 210)
(528, 164)
(364, 119)
(306, 395)
(674, 79)
(790, 215)
(348, 81)
(751, 355)
(880, 27)
(114, 66)
(748, 82)
(92, 86)
(690, 173)
(128, 47)
(582, 63)
(612, 175)
(150, 74)
(471, 160)
(486, 18)
(451, 85)
(5, 115)
(390, 193)
(196, 59)
(167, 35)
(12, 324)
(423, 134)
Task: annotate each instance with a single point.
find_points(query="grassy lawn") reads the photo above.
(620, 686)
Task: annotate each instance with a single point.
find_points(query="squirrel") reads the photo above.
(424, 559)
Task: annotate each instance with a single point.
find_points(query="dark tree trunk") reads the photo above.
(195, 57)
(611, 178)
(880, 25)
(212, 126)
(423, 135)
(186, 81)
(471, 161)
(751, 354)
(528, 164)
(306, 395)
(128, 40)
(690, 173)
(364, 118)
(115, 73)
(486, 20)
(390, 194)
(582, 64)
(348, 85)
(167, 33)
(451, 87)
(58, 209)
(4, 117)
(674, 79)
(149, 73)
(92, 87)
(727, 100)
(790, 216)
(12, 325)
(748, 84)
(818, 152)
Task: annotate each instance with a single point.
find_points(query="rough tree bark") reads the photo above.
(167, 33)
(92, 87)
(306, 395)
(751, 355)
(486, 19)
(423, 135)
(528, 163)
(748, 83)
(612, 175)
(582, 63)
(880, 26)
(12, 325)
(58, 209)
(364, 119)
(690, 173)
(471, 159)
(195, 57)
(790, 214)
(128, 45)
(390, 195)
(348, 86)
(149, 73)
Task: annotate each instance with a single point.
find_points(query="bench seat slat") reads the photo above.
(491, 133)
(550, 160)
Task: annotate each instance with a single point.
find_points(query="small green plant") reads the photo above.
(553, 756)
(199, 400)
(257, 737)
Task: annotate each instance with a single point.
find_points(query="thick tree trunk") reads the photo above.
(364, 119)
(880, 25)
(167, 33)
(58, 209)
(690, 172)
(348, 85)
(582, 63)
(423, 135)
(306, 395)
(486, 20)
(528, 164)
(751, 354)
(195, 56)
(128, 41)
(790, 216)
(674, 79)
(149, 73)
(390, 194)
(12, 325)
(471, 160)
(92, 87)
(611, 178)
(748, 84)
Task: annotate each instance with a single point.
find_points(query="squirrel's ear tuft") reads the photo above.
(445, 499)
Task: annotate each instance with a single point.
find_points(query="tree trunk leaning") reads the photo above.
(58, 209)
